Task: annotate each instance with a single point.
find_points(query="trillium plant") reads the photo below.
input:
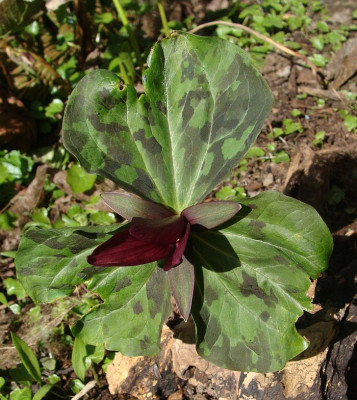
(241, 271)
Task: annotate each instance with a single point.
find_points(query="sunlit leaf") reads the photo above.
(78, 358)
(27, 357)
(251, 281)
(203, 108)
(50, 263)
(79, 180)
(42, 392)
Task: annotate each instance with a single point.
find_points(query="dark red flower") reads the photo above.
(155, 232)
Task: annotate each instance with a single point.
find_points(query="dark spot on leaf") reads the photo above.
(99, 126)
(145, 119)
(89, 235)
(106, 99)
(257, 224)
(188, 66)
(150, 144)
(123, 283)
(161, 107)
(27, 271)
(281, 260)
(201, 79)
(257, 227)
(40, 236)
(205, 131)
(77, 246)
(138, 308)
(212, 335)
(143, 183)
(154, 293)
(88, 272)
(250, 287)
(210, 295)
(265, 316)
(253, 206)
(185, 102)
(151, 118)
(145, 343)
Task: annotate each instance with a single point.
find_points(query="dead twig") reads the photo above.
(89, 386)
(260, 36)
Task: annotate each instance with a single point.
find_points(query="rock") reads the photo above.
(268, 180)
(145, 377)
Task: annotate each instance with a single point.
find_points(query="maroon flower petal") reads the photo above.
(160, 231)
(124, 250)
(175, 258)
(128, 205)
(211, 214)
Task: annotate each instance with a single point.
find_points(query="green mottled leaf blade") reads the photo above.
(215, 103)
(203, 108)
(51, 262)
(107, 129)
(252, 276)
(136, 304)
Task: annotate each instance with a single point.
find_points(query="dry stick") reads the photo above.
(7, 77)
(260, 36)
(89, 386)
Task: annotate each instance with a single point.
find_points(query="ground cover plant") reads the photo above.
(244, 268)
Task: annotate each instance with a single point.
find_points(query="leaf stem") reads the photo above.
(260, 36)
(163, 18)
(123, 72)
(129, 29)
(95, 375)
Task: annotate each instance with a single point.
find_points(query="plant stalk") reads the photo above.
(129, 29)
(163, 18)
(123, 73)
(260, 36)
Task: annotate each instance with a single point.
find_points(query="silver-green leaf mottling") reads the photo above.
(203, 108)
(251, 281)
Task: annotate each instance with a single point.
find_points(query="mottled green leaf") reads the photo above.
(136, 299)
(251, 281)
(136, 304)
(203, 108)
(51, 262)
